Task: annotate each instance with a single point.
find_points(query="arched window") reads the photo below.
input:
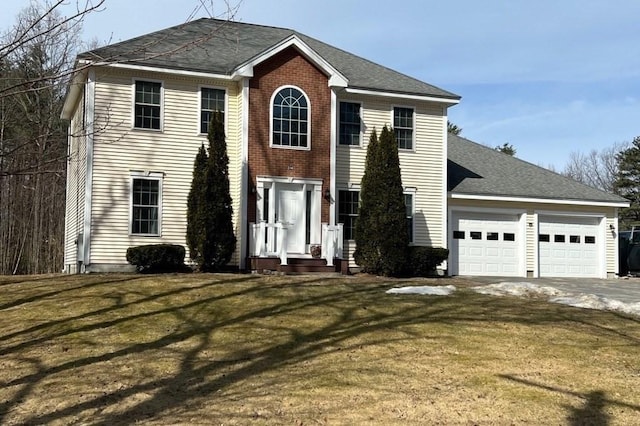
(290, 119)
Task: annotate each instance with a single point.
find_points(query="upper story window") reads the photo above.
(211, 100)
(147, 105)
(349, 133)
(290, 119)
(403, 127)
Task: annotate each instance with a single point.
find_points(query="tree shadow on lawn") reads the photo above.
(66, 286)
(118, 305)
(353, 310)
(592, 411)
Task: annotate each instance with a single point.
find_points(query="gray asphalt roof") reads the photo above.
(219, 46)
(475, 169)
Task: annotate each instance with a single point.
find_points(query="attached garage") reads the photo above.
(570, 246)
(511, 218)
(487, 244)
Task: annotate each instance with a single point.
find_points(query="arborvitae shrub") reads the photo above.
(210, 234)
(381, 232)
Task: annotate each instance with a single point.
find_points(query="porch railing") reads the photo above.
(271, 239)
(331, 242)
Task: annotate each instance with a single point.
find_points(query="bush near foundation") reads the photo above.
(423, 261)
(153, 258)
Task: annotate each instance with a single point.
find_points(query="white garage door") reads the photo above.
(569, 246)
(486, 244)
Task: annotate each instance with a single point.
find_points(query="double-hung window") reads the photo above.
(348, 202)
(403, 127)
(145, 206)
(147, 109)
(290, 119)
(211, 100)
(408, 202)
(349, 133)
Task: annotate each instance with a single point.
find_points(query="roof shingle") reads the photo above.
(475, 169)
(218, 46)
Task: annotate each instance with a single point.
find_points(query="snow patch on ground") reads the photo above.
(526, 289)
(591, 301)
(552, 294)
(424, 289)
(517, 289)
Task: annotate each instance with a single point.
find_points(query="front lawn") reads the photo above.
(249, 349)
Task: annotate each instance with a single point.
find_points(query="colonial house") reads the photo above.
(298, 114)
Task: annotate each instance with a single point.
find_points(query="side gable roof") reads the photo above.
(220, 47)
(477, 170)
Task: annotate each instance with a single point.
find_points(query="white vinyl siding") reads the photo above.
(118, 152)
(76, 179)
(422, 169)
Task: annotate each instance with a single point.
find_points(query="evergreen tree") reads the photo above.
(627, 182)
(211, 226)
(381, 234)
(506, 148)
(195, 203)
(453, 128)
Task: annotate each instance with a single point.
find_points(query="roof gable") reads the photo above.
(335, 77)
(480, 171)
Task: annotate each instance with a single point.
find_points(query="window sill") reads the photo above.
(143, 129)
(295, 148)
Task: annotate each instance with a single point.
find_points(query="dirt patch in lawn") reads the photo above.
(238, 349)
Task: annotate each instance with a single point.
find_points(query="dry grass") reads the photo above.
(239, 349)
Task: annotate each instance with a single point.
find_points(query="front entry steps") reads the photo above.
(297, 265)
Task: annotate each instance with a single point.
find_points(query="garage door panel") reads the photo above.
(572, 249)
(475, 251)
(493, 252)
(485, 250)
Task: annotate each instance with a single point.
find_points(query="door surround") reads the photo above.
(268, 204)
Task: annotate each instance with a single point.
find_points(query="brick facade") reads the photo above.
(289, 68)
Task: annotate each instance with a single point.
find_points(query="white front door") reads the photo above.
(291, 213)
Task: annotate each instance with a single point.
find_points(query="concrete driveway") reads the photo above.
(625, 290)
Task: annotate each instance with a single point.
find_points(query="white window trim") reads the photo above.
(273, 96)
(361, 137)
(413, 123)
(226, 106)
(133, 104)
(412, 191)
(158, 176)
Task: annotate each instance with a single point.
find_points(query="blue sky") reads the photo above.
(549, 77)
